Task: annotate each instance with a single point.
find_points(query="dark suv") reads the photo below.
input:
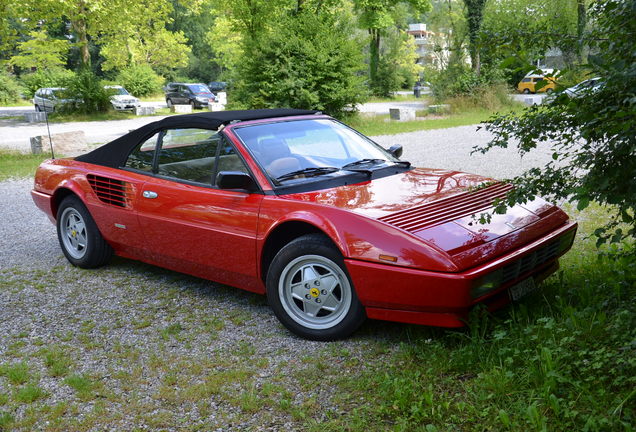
(198, 95)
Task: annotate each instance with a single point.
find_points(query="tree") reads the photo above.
(291, 67)
(593, 137)
(375, 16)
(474, 18)
(140, 37)
(41, 52)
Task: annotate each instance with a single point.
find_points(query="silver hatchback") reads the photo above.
(50, 99)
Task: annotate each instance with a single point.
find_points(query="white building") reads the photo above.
(431, 48)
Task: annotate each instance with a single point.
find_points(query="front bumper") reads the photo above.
(444, 299)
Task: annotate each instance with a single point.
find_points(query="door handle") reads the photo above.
(150, 194)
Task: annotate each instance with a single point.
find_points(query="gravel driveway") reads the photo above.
(134, 347)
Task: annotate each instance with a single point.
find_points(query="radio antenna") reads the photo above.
(46, 117)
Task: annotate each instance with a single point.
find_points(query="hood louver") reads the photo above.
(447, 209)
(110, 191)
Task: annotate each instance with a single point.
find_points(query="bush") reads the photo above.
(459, 80)
(9, 89)
(491, 97)
(292, 67)
(89, 92)
(49, 78)
(388, 79)
(140, 80)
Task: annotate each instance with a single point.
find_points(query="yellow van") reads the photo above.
(528, 83)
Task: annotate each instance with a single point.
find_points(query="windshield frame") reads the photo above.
(391, 166)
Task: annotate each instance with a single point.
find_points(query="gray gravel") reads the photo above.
(164, 350)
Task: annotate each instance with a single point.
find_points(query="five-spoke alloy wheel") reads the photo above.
(80, 239)
(310, 291)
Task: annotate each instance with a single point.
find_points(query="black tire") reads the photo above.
(37, 108)
(193, 104)
(79, 237)
(526, 91)
(169, 103)
(310, 265)
(549, 91)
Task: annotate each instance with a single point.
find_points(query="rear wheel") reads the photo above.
(169, 103)
(526, 91)
(310, 291)
(79, 237)
(38, 109)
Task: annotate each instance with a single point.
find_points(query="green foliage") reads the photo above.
(9, 89)
(17, 373)
(18, 165)
(50, 78)
(292, 67)
(88, 92)
(140, 80)
(41, 52)
(29, 394)
(592, 137)
(563, 360)
(458, 80)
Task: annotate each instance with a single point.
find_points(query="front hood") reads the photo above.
(449, 210)
(123, 98)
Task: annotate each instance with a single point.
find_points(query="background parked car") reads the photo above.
(198, 95)
(589, 85)
(50, 99)
(121, 99)
(217, 86)
(529, 82)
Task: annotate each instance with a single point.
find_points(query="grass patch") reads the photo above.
(397, 98)
(81, 384)
(6, 420)
(17, 373)
(59, 117)
(57, 361)
(381, 125)
(14, 164)
(29, 394)
(563, 359)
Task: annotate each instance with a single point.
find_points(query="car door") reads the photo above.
(188, 223)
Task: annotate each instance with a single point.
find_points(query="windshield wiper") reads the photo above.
(361, 162)
(307, 172)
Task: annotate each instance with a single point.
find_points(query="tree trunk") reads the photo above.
(374, 54)
(474, 16)
(581, 22)
(80, 28)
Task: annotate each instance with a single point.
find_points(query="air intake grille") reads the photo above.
(531, 261)
(447, 209)
(110, 191)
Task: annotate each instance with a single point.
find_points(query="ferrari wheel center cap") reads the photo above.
(315, 292)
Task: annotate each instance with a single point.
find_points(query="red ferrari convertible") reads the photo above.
(298, 206)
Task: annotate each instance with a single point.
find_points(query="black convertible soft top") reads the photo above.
(114, 153)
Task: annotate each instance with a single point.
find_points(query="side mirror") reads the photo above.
(235, 180)
(396, 150)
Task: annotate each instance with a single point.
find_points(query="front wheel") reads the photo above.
(79, 237)
(169, 103)
(526, 91)
(310, 291)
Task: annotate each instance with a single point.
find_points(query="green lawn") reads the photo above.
(564, 359)
(14, 164)
(105, 116)
(381, 125)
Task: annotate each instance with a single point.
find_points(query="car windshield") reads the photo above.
(198, 88)
(60, 93)
(308, 148)
(120, 91)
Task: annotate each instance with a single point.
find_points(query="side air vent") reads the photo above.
(110, 191)
(447, 209)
